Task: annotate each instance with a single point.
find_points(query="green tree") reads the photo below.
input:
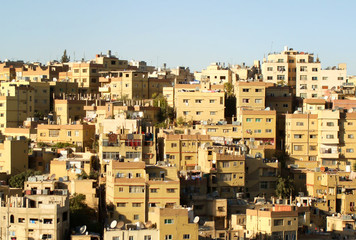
(65, 58)
(18, 180)
(81, 214)
(166, 112)
(285, 187)
(228, 89)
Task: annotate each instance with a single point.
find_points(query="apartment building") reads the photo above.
(164, 223)
(81, 135)
(302, 71)
(215, 73)
(278, 222)
(134, 187)
(193, 104)
(111, 62)
(36, 72)
(86, 74)
(41, 96)
(16, 109)
(125, 84)
(13, 155)
(35, 217)
(182, 150)
(127, 146)
(250, 95)
(58, 89)
(70, 165)
(67, 111)
(226, 169)
(344, 225)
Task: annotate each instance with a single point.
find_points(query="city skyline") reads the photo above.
(189, 34)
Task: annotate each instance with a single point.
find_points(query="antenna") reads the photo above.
(82, 229)
(113, 224)
(196, 219)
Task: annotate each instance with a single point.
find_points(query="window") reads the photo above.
(245, 90)
(303, 77)
(281, 68)
(314, 79)
(258, 131)
(121, 204)
(173, 145)
(171, 190)
(153, 190)
(147, 237)
(349, 150)
(340, 78)
(314, 69)
(225, 177)
(285, 105)
(258, 90)
(131, 238)
(168, 237)
(314, 95)
(76, 133)
(136, 204)
(121, 189)
(185, 113)
(298, 135)
(186, 236)
(198, 100)
(313, 136)
(313, 158)
(211, 101)
(329, 136)
(350, 136)
(258, 119)
(278, 222)
(303, 68)
(258, 100)
(263, 185)
(198, 113)
(136, 217)
(269, 68)
(268, 130)
(269, 78)
(298, 147)
(350, 123)
(300, 124)
(168, 221)
(245, 100)
(248, 119)
(268, 119)
(212, 113)
(312, 148)
(69, 133)
(330, 124)
(226, 164)
(280, 77)
(280, 60)
(289, 222)
(325, 78)
(136, 189)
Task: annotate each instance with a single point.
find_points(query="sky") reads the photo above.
(191, 33)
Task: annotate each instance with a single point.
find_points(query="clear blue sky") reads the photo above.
(190, 33)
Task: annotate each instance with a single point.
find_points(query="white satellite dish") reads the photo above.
(113, 224)
(136, 160)
(196, 219)
(82, 229)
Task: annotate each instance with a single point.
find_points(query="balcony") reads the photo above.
(329, 153)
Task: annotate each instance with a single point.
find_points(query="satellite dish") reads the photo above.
(82, 229)
(196, 219)
(136, 160)
(113, 224)
(53, 176)
(120, 224)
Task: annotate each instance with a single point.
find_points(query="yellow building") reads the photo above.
(41, 96)
(35, 217)
(13, 155)
(215, 74)
(279, 222)
(70, 165)
(342, 224)
(125, 84)
(127, 147)
(86, 74)
(111, 62)
(81, 135)
(182, 150)
(60, 88)
(17, 108)
(313, 140)
(195, 104)
(250, 95)
(132, 188)
(69, 110)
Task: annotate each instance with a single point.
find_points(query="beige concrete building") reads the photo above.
(80, 135)
(250, 95)
(279, 222)
(13, 155)
(133, 187)
(35, 217)
(215, 74)
(199, 105)
(69, 110)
